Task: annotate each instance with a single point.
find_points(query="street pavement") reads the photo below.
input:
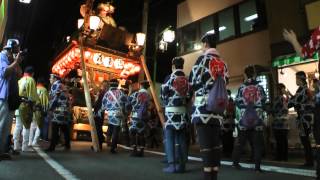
(82, 163)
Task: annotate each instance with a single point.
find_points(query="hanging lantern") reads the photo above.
(94, 22)
(140, 39)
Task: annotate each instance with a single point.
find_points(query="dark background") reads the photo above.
(43, 25)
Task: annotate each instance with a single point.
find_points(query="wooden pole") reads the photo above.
(153, 91)
(93, 131)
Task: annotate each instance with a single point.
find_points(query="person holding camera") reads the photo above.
(9, 65)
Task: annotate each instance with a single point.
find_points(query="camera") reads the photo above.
(24, 52)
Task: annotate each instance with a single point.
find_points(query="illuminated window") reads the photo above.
(248, 16)
(206, 25)
(188, 38)
(265, 84)
(226, 24)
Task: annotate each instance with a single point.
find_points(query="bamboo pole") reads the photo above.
(153, 92)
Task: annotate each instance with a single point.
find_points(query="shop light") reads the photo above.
(211, 32)
(140, 39)
(251, 17)
(94, 22)
(80, 23)
(168, 36)
(163, 46)
(222, 28)
(25, 1)
(197, 46)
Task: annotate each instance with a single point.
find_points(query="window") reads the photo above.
(226, 24)
(188, 38)
(248, 16)
(206, 25)
(241, 19)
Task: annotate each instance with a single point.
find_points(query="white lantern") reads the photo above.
(94, 22)
(80, 23)
(168, 36)
(25, 1)
(140, 39)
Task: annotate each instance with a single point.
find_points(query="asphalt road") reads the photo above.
(82, 163)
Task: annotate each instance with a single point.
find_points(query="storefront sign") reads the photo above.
(125, 67)
(292, 59)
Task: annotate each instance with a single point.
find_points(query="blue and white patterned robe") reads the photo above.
(59, 103)
(175, 102)
(201, 83)
(135, 100)
(115, 107)
(258, 105)
(303, 104)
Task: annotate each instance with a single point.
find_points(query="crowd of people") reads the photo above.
(200, 101)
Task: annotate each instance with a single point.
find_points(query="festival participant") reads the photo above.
(208, 124)
(29, 96)
(39, 113)
(59, 108)
(114, 102)
(174, 94)
(138, 103)
(250, 100)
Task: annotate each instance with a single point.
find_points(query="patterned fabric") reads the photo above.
(59, 103)
(280, 113)
(56, 87)
(114, 107)
(174, 97)
(201, 81)
(242, 97)
(313, 45)
(304, 106)
(136, 100)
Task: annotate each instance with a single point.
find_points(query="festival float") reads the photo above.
(107, 52)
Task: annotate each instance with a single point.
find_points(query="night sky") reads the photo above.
(43, 25)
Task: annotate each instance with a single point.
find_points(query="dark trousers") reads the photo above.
(210, 144)
(281, 137)
(45, 128)
(113, 132)
(316, 135)
(227, 142)
(99, 124)
(257, 138)
(137, 139)
(125, 134)
(152, 138)
(305, 141)
(63, 128)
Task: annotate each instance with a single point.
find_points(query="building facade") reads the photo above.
(250, 32)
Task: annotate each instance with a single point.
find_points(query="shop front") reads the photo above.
(286, 68)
